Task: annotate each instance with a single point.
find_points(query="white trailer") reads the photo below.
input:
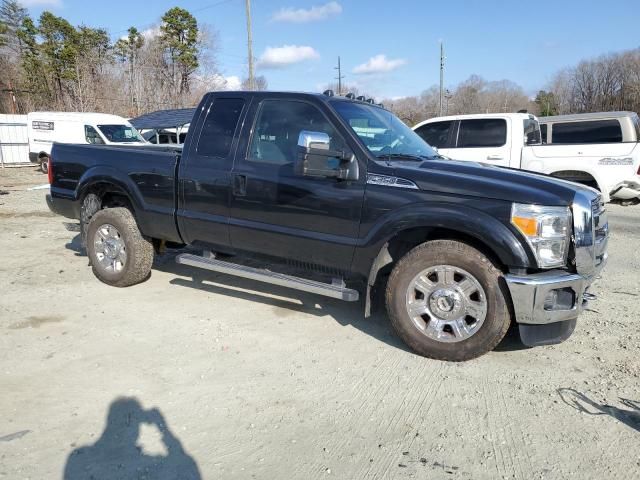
(14, 141)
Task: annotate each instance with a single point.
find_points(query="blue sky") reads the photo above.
(388, 48)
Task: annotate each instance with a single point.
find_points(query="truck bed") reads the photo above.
(146, 173)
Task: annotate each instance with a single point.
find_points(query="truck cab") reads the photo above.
(495, 138)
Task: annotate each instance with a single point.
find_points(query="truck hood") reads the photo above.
(488, 181)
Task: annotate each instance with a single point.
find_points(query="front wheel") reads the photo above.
(445, 300)
(119, 254)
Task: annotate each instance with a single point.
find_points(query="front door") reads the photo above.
(279, 213)
(485, 140)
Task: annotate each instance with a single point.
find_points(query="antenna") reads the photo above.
(339, 77)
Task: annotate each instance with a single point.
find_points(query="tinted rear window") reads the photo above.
(532, 132)
(543, 132)
(218, 129)
(486, 132)
(598, 131)
(435, 134)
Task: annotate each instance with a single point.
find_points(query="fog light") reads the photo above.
(560, 299)
(551, 300)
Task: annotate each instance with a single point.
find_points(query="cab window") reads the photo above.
(278, 126)
(485, 132)
(91, 135)
(219, 127)
(435, 134)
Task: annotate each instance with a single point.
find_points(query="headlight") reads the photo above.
(547, 231)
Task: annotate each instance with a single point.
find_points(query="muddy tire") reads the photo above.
(119, 254)
(447, 301)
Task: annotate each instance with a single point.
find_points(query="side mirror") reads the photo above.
(532, 138)
(316, 159)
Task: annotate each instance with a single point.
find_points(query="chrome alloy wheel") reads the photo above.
(110, 249)
(446, 303)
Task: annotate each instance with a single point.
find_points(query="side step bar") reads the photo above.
(334, 290)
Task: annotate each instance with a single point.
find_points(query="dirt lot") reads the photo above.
(218, 377)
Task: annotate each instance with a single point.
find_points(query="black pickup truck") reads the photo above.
(335, 195)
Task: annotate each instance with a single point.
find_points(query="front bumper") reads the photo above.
(627, 190)
(549, 297)
(547, 304)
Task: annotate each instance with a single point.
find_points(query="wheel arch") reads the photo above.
(470, 226)
(579, 176)
(107, 183)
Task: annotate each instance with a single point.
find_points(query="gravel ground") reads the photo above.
(218, 377)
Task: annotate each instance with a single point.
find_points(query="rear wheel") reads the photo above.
(445, 300)
(119, 254)
(44, 164)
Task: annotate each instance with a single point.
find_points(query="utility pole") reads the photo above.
(447, 96)
(249, 45)
(12, 98)
(339, 77)
(441, 75)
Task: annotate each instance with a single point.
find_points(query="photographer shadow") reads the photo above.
(117, 454)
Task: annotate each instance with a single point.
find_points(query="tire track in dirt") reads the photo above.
(506, 436)
(407, 419)
(360, 404)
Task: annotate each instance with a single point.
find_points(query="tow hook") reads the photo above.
(588, 297)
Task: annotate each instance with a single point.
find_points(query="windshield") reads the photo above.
(120, 133)
(384, 134)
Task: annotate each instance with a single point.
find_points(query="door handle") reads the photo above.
(240, 185)
(495, 157)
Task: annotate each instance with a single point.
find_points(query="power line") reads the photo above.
(206, 7)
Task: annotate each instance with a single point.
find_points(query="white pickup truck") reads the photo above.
(514, 140)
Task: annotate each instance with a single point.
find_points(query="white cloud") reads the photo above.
(379, 64)
(232, 82)
(313, 14)
(39, 3)
(148, 33)
(217, 82)
(279, 57)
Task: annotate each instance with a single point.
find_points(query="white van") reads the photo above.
(76, 127)
(514, 140)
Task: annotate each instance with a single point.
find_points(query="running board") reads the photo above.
(335, 290)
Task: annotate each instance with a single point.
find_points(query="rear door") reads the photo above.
(279, 213)
(205, 172)
(486, 140)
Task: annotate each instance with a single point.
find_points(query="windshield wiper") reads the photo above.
(398, 156)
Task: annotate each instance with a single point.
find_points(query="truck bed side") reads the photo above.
(144, 175)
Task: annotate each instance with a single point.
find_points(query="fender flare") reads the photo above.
(102, 174)
(508, 246)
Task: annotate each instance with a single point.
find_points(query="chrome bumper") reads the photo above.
(534, 302)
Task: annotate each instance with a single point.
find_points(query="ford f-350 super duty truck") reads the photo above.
(336, 196)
